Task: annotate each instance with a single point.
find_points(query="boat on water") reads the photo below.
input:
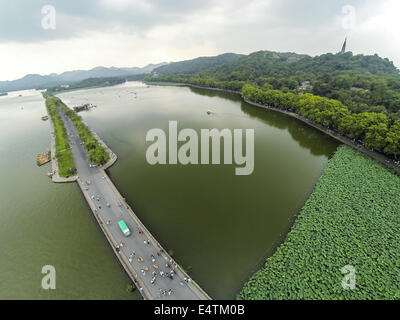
(44, 118)
(43, 158)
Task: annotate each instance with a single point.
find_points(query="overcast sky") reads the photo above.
(127, 33)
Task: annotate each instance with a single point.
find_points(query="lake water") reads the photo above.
(43, 223)
(220, 226)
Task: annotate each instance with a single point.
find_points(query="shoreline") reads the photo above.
(113, 156)
(55, 177)
(384, 160)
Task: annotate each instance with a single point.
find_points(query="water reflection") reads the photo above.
(305, 135)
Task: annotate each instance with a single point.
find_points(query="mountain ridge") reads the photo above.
(37, 81)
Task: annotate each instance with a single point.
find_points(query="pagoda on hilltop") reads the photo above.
(344, 46)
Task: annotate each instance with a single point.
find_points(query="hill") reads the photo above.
(362, 83)
(198, 64)
(268, 63)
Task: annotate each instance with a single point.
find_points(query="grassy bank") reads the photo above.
(97, 154)
(352, 218)
(66, 165)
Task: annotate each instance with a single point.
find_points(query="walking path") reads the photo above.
(143, 258)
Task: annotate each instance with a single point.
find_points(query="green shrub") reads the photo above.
(130, 288)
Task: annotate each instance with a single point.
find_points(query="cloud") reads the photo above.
(21, 19)
(137, 32)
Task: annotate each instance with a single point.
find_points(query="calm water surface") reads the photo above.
(220, 227)
(42, 223)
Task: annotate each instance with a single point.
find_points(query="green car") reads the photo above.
(125, 230)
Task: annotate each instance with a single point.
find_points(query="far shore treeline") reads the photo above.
(94, 83)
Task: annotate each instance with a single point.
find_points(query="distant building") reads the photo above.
(305, 86)
(83, 107)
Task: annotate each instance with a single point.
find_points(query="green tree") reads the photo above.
(393, 140)
(375, 137)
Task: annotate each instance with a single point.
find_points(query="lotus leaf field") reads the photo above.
(352, 218)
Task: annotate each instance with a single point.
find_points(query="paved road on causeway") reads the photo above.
(137, 246)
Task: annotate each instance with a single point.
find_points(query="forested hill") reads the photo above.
(362, 83)
(198, 64)
(267, 63)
